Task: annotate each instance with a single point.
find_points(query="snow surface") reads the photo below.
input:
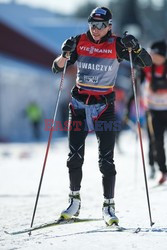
(20, 168)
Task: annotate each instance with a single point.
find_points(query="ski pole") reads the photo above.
(48, 144)
(140, 135)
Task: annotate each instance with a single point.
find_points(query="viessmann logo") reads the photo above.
(92, 50)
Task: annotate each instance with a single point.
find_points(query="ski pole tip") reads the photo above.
(152, 223)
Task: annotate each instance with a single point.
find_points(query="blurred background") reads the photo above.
(31, 34)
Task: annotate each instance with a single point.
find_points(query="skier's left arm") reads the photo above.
(140, 56)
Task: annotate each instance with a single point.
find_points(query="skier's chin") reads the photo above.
(96, 38)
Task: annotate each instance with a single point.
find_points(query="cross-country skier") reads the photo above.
(98, 54)
(156, 104)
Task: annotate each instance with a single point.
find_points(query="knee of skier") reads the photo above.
(74, 163)
(108, 169)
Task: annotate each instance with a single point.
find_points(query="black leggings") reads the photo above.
(159, 121)
(106, 141)
(151, 137)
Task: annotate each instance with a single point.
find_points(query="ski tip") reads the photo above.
(6, 232)
(17, 232)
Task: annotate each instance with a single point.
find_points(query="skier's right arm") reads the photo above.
(68, 49)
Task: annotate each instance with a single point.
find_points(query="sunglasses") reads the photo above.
(98, 25)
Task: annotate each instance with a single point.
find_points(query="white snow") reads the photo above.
(20, 170)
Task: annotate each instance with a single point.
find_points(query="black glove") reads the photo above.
(68, 47)
(130, 42)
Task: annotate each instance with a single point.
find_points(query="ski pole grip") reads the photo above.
(125, 34)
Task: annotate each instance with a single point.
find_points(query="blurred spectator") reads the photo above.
(156, 103)
(34, 114)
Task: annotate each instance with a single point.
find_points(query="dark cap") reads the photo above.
(102, 13)
(159, 48)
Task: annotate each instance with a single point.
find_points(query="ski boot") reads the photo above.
(108, 211)
(74, 206)
(152, 172)
(163, 178)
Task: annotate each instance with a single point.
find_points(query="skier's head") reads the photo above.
(158, 52)
(100, 22)
(100, 14)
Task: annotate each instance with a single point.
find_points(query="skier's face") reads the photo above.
(99, 30)
(157, 59)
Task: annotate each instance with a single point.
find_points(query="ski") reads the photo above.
(58, 222)
(113, 228)
(118, 228)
